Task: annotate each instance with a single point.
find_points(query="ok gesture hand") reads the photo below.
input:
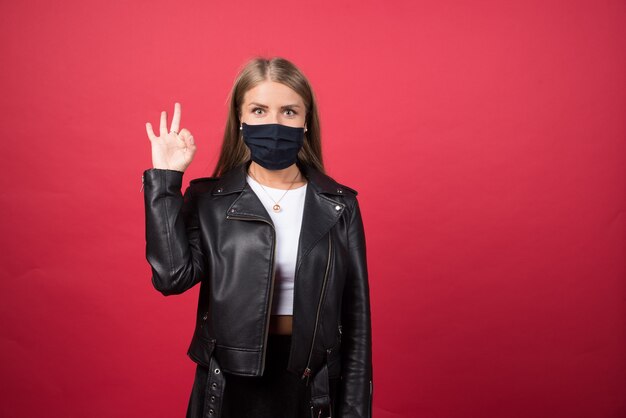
(173, 150)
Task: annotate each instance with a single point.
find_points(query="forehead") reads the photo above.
(272, 93)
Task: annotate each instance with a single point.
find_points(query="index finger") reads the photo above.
(176, 118)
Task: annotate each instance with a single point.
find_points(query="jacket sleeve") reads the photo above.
(173, 247)
(357, 373)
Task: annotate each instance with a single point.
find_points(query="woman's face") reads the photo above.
(271, 102)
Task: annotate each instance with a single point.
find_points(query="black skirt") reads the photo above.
(276, 394)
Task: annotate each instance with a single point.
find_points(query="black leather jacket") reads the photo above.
(220, 235)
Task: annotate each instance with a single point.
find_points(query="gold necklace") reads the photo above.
(276, 206)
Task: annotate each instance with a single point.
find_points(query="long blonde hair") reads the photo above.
(234, 151)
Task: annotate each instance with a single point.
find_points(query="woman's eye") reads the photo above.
(292, 112)
(255, 110)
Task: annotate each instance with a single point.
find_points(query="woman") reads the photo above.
(283, 321)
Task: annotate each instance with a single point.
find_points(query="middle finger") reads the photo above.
(163, 124)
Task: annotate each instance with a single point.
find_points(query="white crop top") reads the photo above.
(287, 223)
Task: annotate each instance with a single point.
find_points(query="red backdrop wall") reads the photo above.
(486, 140)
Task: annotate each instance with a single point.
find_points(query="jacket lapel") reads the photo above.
(321, 211)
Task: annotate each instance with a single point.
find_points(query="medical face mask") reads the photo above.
(273, 146)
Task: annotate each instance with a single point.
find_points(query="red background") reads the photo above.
(486, 140)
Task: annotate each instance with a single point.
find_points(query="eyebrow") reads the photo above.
(265, 107)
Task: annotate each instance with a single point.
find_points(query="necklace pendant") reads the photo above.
(276, 208)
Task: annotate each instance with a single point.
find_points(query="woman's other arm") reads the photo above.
(357, 372)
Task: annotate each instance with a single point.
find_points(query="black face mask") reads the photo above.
(273, 146)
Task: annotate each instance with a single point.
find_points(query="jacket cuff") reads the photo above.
(163, 179)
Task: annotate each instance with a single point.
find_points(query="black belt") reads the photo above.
(214, 391)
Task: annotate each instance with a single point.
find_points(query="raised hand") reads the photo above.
(173, 150)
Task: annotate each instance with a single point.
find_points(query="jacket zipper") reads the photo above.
(269, 309)
(307, 369)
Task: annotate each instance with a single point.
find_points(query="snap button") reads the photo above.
(213, 398)
(217, 371)
(233, 210)
(211, 411)
(214, 385)
(219, 190)
(339, 191)
(337, 207)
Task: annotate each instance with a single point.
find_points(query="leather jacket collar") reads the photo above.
(235, 180)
